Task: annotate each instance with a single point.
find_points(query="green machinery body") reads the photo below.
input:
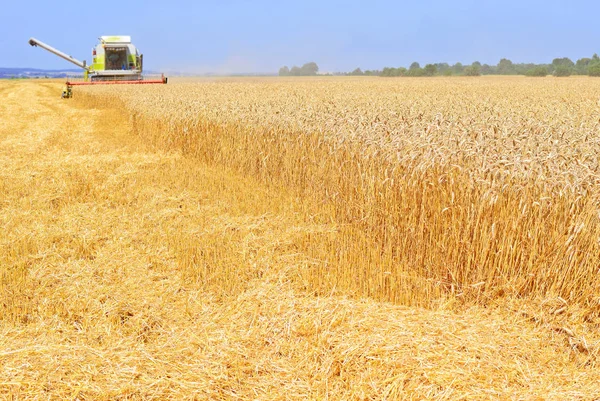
(115, 60)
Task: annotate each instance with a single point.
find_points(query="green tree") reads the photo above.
(539, 71)
(594, 70)
(563, 62)
(295, 71)
(284, 71)
(309, 69)
(458, 69)
(563, 67)
(487, 69)
(387, 72)
(357, 71)
(473, 70)
(582, 65)
(505, 67)
(442, 68)
(563, 71)
(414, 70)
(393, 72)
(430, 70)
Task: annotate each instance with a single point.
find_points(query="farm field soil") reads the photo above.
(95, 303)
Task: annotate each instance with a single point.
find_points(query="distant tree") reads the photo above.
(559, 67)
(595, 60)
(505, 67)
(357, 71)
(295, 71)
(563, 71)
(306, 69)
(430, 70)
(539, 71)
(442, 68)
(393, 72)
(387, 72)
(582, 65)
(415, 72)
(473, 70)
(309, 69)
(414, 66)
(487, 69)
(523, 68)
(458, 69)
(594, 70)
(563, 62)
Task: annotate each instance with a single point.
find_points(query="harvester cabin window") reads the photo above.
(116, 58)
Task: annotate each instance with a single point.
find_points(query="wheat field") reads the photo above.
(437, 186)
(322, 238)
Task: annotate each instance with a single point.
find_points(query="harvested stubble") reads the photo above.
(465, 188)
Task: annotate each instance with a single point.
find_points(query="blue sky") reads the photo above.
(231, 36)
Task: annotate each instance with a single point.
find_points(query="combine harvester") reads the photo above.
(115, 60)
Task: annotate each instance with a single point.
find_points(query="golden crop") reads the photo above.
(189, 270)
(469, 188)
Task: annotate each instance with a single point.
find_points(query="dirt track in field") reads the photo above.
(95, 303)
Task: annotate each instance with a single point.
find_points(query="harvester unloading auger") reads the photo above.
(115, 60)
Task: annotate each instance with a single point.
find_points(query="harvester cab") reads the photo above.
(115, 60)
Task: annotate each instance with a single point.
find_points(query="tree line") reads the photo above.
(560, 67)
(307, 69)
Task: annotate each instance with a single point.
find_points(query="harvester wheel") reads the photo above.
(67, 92)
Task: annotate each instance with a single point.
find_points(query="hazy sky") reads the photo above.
(260, 36)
